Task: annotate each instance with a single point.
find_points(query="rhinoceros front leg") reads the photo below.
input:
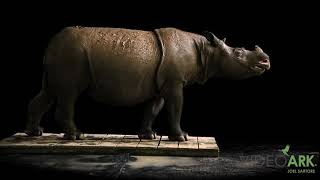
(152, 110)
(174, 102)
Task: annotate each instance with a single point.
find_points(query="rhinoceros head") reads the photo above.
(234, 62)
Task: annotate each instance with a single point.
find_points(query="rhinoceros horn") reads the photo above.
(258, 49)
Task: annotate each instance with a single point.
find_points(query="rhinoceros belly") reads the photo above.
(123, 65)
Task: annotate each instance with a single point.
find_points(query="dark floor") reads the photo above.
(235, 161)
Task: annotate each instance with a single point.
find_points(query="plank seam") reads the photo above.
(198, 142)
(159, 142)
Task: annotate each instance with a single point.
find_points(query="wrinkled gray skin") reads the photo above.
(124, 67)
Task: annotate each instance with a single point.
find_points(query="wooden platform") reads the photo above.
(109, 144)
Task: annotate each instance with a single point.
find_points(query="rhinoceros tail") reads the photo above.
(44, 76)
(45, 80)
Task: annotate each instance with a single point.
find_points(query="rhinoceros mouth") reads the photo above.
(261, 67)
(258, 69)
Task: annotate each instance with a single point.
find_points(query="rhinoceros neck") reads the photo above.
(209, 63)
(196, 71)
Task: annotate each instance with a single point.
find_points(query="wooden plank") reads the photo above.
(114, 137)
(89, 141)
(207, 143)
(166, 144)
(76, 143)
(149, 143)
(129, 142)
(208, 146)
(109, 144)
(147, 146)
(21, 139)
(190, 147)
(96, 136)
(111, 140)
(167, 147)
(93, 143)
(192, 143)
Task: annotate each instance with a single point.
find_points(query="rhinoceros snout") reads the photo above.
(265, 64)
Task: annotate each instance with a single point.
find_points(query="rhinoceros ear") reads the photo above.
(212, 38)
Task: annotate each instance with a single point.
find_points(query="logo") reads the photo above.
(299, 163)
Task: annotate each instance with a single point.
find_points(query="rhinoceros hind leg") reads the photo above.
(36, 131)
(37, 107)
(152, 110)
(64, 116)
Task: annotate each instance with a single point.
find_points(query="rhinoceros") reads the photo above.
(125, 67)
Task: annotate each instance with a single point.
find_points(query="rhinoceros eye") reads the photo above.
(238, 52)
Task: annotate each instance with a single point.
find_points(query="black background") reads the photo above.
(278, 107)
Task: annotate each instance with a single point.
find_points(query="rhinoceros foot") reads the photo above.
(147, 135)
(182, 137)
(34, 131)
(74, 136)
